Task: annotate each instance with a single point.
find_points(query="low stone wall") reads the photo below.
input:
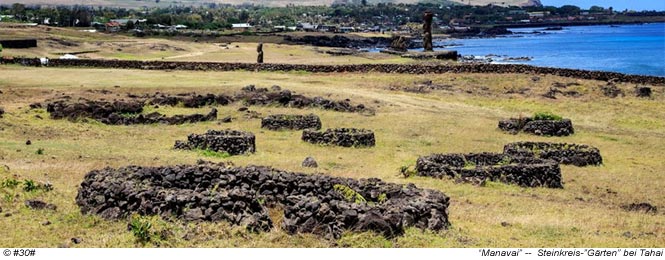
(359, 68)
(291, 122)
(19, 44)
(230, 141)
(562, 127)
(318, 204)
(253, 96)
(190, 100)
(347, 137)
(523, 171)
(439, 55)
(575, 154)
(119, 113)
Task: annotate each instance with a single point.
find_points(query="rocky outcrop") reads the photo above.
(338, 41)
(291, 122)
(643, 91)
(563, 127)
(318, 204)
(575, 154)
(228, 141)
(347, 137)
(476, 168)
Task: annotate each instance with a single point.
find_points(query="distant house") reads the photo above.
(179, 27)
(538, 14)
(326, 28)
(112, 26)
(159, 26)
(242, 27)
(279, 28)
(347, 29)
(307, 27)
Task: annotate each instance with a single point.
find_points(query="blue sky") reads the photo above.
(638, 5)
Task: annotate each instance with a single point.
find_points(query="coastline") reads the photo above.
(568, 24)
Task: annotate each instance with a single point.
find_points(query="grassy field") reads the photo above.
(53, 42)
(629, 132)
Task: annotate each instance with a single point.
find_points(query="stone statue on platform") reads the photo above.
(259, 50)
(427, 31)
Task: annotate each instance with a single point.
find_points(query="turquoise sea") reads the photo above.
(631, 49)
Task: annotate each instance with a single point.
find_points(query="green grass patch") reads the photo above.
(210, 153)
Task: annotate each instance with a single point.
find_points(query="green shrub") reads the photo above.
(546, 116)
(10, 183)
(407, 171)
(30, 186)
(140, 228)
(349, 194)
(40, 151)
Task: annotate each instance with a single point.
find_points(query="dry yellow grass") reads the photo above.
(53, 41)
(628, 131)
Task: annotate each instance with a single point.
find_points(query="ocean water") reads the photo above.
(631, 49)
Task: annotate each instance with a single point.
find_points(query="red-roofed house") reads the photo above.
(112, 26)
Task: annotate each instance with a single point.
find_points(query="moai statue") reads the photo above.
(427, 31)
(259, 50)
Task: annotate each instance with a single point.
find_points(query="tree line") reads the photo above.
(219, 16)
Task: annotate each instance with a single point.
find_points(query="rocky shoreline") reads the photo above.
(359, 68)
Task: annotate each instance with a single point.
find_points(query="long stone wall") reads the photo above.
(360, 68)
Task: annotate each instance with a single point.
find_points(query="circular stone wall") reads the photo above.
(523, 171)
(319, 204)
(578, 155)
(230, 141)
(347, 137)
(291, 122)
(562, 127)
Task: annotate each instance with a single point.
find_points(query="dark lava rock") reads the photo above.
(227, 119)
(2, 112)
(347, 137)
(578, 155)
(642, 91)
(318, 204)
(191, 100)
(310, 162)
(612, 91)
(28, 142)
(38, 204)
(284, 97)
(562, 127)
(641, 207)
(157, 118)
(230, 141)
(76, 240)
(291, 122)
(476, 168)
(119, 113)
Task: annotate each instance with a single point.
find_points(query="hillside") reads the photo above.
(152, 3)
